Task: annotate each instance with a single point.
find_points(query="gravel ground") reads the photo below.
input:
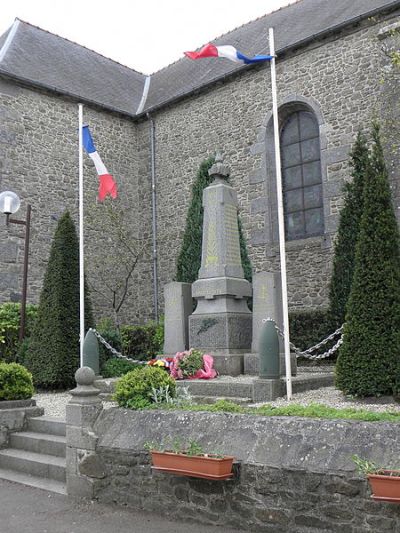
(54, 402)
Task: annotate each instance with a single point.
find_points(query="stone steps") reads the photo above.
(37, 455)
(242, 389)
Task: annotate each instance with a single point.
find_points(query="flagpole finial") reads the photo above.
(219, 169)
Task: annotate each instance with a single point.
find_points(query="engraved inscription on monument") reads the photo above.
(232, 236)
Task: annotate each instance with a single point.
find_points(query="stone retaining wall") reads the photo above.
(294, 475)
(13, 416)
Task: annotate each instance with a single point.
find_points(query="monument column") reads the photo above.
(221, 324)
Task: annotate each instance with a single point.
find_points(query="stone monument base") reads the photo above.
(227, 364)
(267, 390)
(221, 332)
(251, 363)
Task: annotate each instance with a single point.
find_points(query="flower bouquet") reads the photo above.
(193, 364)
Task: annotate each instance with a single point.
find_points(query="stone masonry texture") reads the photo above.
(346, 79)
(292, 474)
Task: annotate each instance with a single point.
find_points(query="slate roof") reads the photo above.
(47, 60)
(293, 24)
(50, 61)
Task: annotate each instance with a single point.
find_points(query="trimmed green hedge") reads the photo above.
(309, 327)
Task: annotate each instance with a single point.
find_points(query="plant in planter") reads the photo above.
(384, 483)
(190, 461)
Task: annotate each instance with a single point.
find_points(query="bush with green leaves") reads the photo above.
(191, 363)
(106, 328)
(53, 353)
(307, 328)
(10, 317)
(141, 342)
(135, 390)
(15, 382)
(115, 368)
(368, 362)
(189, 259)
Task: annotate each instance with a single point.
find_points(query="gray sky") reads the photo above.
(145, 35)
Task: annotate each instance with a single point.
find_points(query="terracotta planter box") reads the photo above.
(202, 466)
(385, 486)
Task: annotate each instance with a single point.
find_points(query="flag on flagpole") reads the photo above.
(107, 184)
(228, 52)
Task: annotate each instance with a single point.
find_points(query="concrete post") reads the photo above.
(84, 467)
(178, 307)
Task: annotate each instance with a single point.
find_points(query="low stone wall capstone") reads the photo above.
(294, 474)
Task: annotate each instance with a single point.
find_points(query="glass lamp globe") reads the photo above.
(9, 203)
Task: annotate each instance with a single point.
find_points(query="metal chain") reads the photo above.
(308, 353)
(114, 351)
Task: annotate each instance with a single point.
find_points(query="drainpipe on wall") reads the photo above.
(154, 213)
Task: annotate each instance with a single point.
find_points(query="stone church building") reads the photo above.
(334, 74)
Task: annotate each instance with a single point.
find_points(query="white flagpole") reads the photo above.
(81, 256)
(281, 221)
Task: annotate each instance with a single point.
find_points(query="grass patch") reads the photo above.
(314, 410)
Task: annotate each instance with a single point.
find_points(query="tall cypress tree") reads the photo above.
(53, 354)
(368, 363)
(347, 235)
(189, 259)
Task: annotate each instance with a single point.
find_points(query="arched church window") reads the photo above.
(301, 176)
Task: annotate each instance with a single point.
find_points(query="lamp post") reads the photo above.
(9, 204)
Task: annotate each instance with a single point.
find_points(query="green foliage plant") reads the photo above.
(53, 354)
(307, 328)
(368, 362)
(347, 235)
(141, 342)
(10, 316)
(313, 410)
(189, 259)
(191, 363)
(115, 368)
(15, 382)
(364, 466)
(135, 389)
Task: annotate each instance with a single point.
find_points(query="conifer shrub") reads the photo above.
(347, 235)
(15, 382)
(135, 390)
(53, 353)
(368, 362)
(189, 259)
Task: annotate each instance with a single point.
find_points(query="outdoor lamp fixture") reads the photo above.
(9, 204)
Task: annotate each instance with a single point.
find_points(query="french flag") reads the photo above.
(107, 184)
(228, 52)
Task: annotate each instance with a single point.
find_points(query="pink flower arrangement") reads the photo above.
(178, 371)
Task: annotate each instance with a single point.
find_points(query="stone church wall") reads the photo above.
(339, 78)
(39, 158)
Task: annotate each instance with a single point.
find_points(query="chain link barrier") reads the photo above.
(114, 351)
(308, 353)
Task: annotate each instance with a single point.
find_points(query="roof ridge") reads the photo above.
(290, 3)
(80, 45)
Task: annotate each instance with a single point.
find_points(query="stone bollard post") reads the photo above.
(84, 467)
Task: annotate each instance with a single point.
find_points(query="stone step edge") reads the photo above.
(50, 485)
(41, 458)
(36, 435)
